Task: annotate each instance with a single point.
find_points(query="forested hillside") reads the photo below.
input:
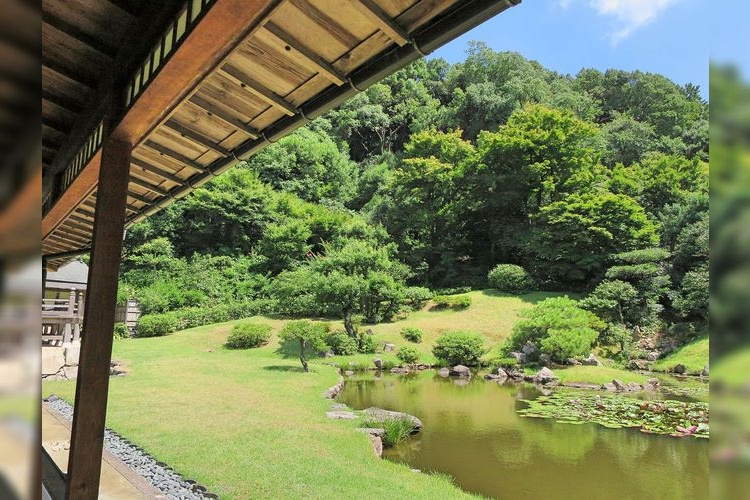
(595, 183)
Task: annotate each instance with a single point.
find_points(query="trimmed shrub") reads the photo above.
(120, 331)
(408, 355)
(510, 278)
(453, 291)
(412, 334)
(455, 302)
(365, 343)
(341, 343)
(155, 325)
(459, 347)
(248, 335)
(417, 297)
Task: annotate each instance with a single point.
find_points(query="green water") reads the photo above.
(472, 433)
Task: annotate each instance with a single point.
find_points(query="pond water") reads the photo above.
(473, 433)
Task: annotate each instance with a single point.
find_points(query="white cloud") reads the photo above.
(629, 15)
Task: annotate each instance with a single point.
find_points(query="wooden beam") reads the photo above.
(163, 150)
(224, 116)
(67, 239)
(68, 228)
(77, 34)
(156, 171)
(330, 24)
(382, 20)
(139, 197)
(258, 90)
(149, 186)
(92, 384)
(314, 62)
(62, 102)
(85, 80)
(196, 137)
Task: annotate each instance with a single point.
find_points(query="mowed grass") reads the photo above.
(597, 375)
(251, 424)
(693, 355)
(246, 424)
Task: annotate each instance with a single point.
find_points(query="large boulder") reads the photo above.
(545, 359)
(545, 376)
(704, 372)
(572, 361)
(502, 376)
(389, 347)
(461, 371)
(609, 387)
(444, 372)
(592, 361)
(679, 369)
(378, 363)
(518, 356)
(652, 356)
(530, 350)
(379, 415)
(634, 387)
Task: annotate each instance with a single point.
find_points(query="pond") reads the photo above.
(473, 433)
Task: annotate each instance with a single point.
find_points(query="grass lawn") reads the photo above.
(693, 355)
(251, 424)
(246, 424)
(597, 375)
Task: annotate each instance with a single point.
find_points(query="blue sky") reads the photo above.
(670, 37)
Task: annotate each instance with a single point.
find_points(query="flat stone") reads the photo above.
(634, 387)
(591, 361)
(339, 406)
(348, 373)
(609, 387)
(545, 376)
(372, 431)
(341, 415)
(381, 415)
(377, 445)
(400, 370)
(581, 385)
(389, 347)
(654, 382)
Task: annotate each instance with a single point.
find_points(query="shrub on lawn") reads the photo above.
(510, 278)
(417, 297)
(412, 334)
(459, 347)
(341, 343)
(365, 343)
(248, 335)
(121, 331)
(408, 355)
(451, 301)
(155, 325)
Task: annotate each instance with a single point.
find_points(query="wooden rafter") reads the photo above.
(77, 34)
(382, 20)
(196, 137)
(224, 116)
(334, 28)
(163, 150)
(258, 90)
(156, 171)
(149, 186)
(312, 60)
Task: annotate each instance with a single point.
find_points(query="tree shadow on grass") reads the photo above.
(284, 368)
(289, 349)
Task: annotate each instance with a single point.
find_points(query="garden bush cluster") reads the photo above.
(412, 334)
(248, 335)
(455, 302)
(510, 278)
(460, 347)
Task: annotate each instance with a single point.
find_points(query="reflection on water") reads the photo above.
(473, 433)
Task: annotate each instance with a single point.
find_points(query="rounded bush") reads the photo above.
(510, 278)
(121, 331)
(417, 297)
(459, 347)
(155, 325)
(248, 335)
(456, 302)
(365, 343)
(408, 355)
(412, 334)
(341, 343)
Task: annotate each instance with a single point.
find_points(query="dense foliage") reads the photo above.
(307, 335)
(459, 347)
(248, 335)
(493, 171)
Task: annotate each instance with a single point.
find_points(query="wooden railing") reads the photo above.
(62, 319)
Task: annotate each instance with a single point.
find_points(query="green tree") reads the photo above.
(308, 335)
(573, 238)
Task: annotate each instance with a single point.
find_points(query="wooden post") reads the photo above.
(78, 320)
(68, 332)
(92, 385)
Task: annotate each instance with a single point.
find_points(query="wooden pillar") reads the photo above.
(92, 385)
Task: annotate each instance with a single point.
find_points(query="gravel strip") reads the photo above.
(159, 474)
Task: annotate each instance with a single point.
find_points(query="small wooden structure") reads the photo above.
(62, 304)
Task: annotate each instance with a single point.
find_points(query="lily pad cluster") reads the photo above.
(673, 418)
